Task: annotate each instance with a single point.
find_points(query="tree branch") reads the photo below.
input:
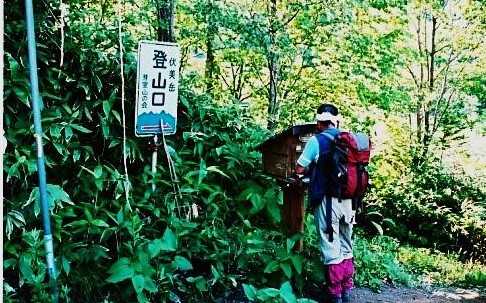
(413, 77)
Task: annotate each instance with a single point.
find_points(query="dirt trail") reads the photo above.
(390, 294)
(403, 294)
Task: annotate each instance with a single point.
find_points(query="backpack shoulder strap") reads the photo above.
(328, 135)
(321, 139)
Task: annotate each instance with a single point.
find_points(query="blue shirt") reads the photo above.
(311, 149)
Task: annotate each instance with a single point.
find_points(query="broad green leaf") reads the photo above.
(287, 294)
(117, 115)
(22, 95)
(17, 218)
(138, 283)
(80, 128)
(60, 148)
(150, 285)
(169, 241)
(219, 151)
(142, 298)
(34, 195)
(98, 252)
(106, 234)
(120, 271)
(250, 292)
(202, 171)
(87, 214)
(97, 82)
(37, 203)
(297, 260)
(273, 209)
(13, 171)
(66, 265)
(271, 267)
(88, 170)
(217, 170)
(182, 263)
(51, 96)
(199, 281)
(98, 171)
(57, 193)
(119, 216)
(99, 222)
(257, 202)
(68, 131)
(154, 247)
(268, 293)
(55, 131)
(106, 109)
(13, 65)
(76, 155)
(215, 272)
(8, 227)
(104, 127)
(78, 223)
(25, 268)
(290, 244)
(287, 268)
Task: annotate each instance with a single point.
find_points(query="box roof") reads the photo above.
(296, 130)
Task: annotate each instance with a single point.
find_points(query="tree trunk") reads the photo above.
(210, 60)
(273, 68)
(166, 21)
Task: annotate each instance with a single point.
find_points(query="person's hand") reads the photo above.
(295, 179)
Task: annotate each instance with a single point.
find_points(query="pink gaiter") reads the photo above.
(339, 277)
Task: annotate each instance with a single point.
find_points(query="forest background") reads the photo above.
(410, 73)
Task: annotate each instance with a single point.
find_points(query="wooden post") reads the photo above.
(293, 199)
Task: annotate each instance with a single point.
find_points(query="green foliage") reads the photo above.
(435, 208)
(439, 268)
(284, 294)
(383, 260)
(212, 227)
(26, 257)
(376, 263)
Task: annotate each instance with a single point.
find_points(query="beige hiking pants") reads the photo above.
(341, 247)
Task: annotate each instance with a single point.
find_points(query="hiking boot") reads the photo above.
(346, 296)
(334, 300)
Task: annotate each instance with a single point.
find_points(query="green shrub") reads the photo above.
(442, 269)
(431, 207)
(376, 263)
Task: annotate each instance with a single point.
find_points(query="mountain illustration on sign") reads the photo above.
(147, 122)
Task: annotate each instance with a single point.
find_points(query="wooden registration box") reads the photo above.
(280, 152)
(279, 155)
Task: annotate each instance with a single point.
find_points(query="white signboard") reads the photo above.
(157, 88)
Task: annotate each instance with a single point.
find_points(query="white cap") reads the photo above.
(327, 116)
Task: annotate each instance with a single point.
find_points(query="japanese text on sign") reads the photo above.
(157, 88)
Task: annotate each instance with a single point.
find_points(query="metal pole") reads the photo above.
(3, 140)
(154, 161)
(34, 86)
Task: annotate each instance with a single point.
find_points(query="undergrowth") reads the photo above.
(383, 259)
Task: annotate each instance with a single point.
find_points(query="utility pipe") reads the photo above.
(35, 98)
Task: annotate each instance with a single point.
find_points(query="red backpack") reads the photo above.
(342, 174)
(350, 155)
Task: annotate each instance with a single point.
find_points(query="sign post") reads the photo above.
(157, 91)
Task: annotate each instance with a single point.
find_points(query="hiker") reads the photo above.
(335, 242)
